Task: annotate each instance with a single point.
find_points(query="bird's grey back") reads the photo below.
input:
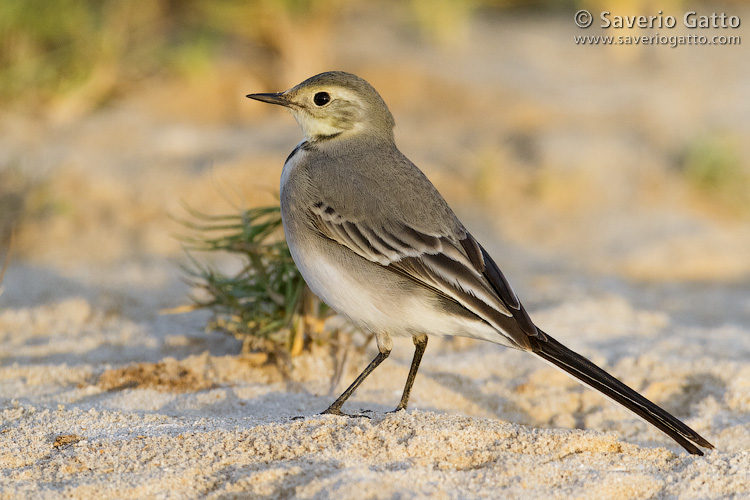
(373, 180)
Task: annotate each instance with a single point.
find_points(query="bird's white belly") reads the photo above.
(343, 292)
(375, 307)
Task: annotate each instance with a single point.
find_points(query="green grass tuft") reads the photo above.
(266, 304)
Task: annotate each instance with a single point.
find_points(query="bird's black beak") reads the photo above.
(274, 98)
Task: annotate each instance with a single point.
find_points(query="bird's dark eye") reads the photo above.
(322, 98)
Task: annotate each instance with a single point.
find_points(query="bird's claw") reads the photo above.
(336, 411)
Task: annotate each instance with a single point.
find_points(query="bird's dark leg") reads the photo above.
(420, 344)
(335, 408)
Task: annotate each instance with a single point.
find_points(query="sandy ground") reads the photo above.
(104, 397)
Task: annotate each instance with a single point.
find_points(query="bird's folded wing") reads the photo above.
(457, 269)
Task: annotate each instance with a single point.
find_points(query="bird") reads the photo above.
(375, 240)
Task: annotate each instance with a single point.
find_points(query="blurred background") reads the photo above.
(587, 170)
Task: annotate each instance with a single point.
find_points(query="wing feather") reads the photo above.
(459, 270)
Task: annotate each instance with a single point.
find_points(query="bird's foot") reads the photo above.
(337, 411)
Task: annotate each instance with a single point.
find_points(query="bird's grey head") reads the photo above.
(335, 104)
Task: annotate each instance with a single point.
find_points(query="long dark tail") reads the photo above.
(591, 375)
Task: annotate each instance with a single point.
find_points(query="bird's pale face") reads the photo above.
(327, 111)
(322, 111)
(335, 104)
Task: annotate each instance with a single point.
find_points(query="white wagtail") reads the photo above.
(375, 240)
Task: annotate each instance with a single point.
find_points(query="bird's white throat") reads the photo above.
(313, 127)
